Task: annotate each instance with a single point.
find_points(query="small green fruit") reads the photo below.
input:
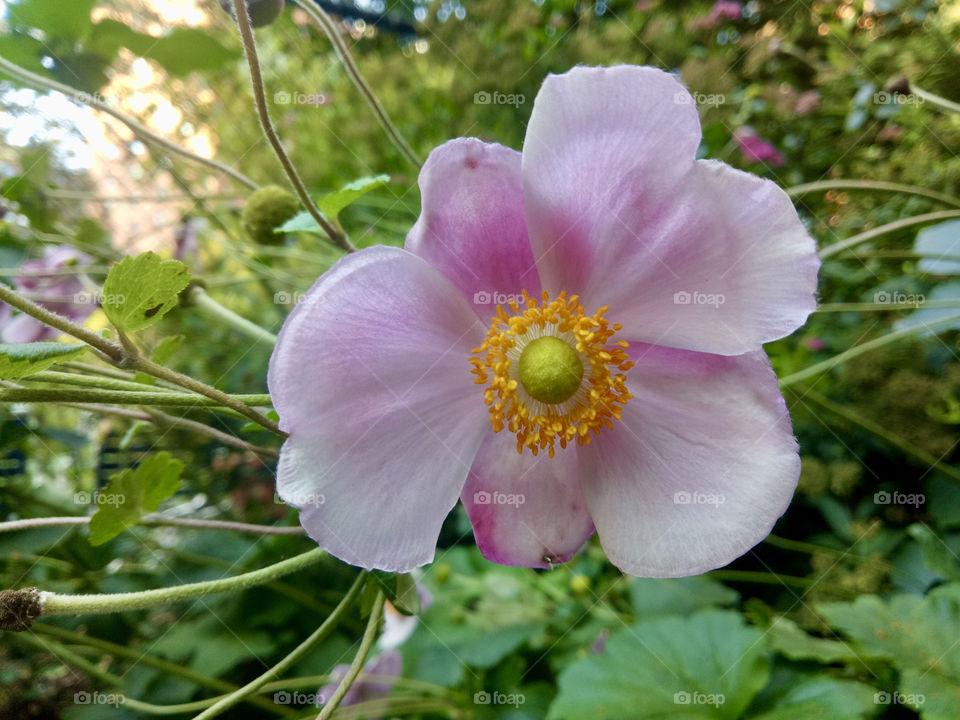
(267, 208)
(262, 12)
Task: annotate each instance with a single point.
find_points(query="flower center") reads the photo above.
(552, 374)
(550, 370)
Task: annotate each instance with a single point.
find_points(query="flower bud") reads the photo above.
(262, 12)
(268, 208)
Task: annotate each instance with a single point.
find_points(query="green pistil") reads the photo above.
(550, 370)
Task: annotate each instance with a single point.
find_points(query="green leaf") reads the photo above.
(133, 493)
(406, 599)
(331, 205)
(710, 665)
(936, 554)
(140, 290)
(791, 641)
(824, 697)
(682, 596)
(21, 359)
(180, 52)
(56, 18)
(918, 635)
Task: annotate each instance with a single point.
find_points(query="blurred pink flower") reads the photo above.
(612, 294)
(816, 344)
(721, 11)
(807, 102)
(754, 149)
(61, 293)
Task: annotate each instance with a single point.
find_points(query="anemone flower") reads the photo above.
(62, 293)
(570, 341)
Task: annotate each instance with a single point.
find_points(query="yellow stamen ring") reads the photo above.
(534, 389)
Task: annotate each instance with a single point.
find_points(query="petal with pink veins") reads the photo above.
(700, 467)
(472, 226)
(370, 379)
(526, 510)
(689, 254)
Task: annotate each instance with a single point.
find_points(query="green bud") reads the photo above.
(268, 208)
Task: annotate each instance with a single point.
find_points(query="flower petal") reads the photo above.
(472, 226)
(688, 254)
(602, 143)
(525, 509)
(699, 468)
(370, 377)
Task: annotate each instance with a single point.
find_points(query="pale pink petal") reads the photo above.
(689, 254)
(25, 329)
(604, 147)
(526, 510)
(472, 225)
(700, 467)
(371, 379)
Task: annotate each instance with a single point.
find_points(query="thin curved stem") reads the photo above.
(198, 296)
(57, 604)
(156, 520)
(887, 307)
(798, 190)
(369, 635)
(293, 657)
(263, 113)
(139, 130)
(888, 228)
(936, 100)
(92, 381)
(123, 397)
(319, 16)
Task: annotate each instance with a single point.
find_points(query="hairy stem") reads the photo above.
(263, 113)
(156, 520)
(123, 397)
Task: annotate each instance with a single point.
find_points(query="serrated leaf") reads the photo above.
(140, 290)
(822, 697)
(133, 493)
(331, 205)
(787, 638)
(21, 359)
(710, 665)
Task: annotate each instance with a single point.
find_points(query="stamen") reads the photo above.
(542, 399)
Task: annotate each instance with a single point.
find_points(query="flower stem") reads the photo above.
(157, 520)
(122, 397)
(798, 190)
(57, 604)
(199, 297)
(882, 307)
(319, 16)
(263, 113)
(369, 635)
(294, 656)
(142, 132)
(885, 229)
(91, 381)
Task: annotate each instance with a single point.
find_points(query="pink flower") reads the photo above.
(626, 392)
(816, 344)
(754, 149)
(387, 664)
(807, 102)
(721, 11)
(55, 291)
